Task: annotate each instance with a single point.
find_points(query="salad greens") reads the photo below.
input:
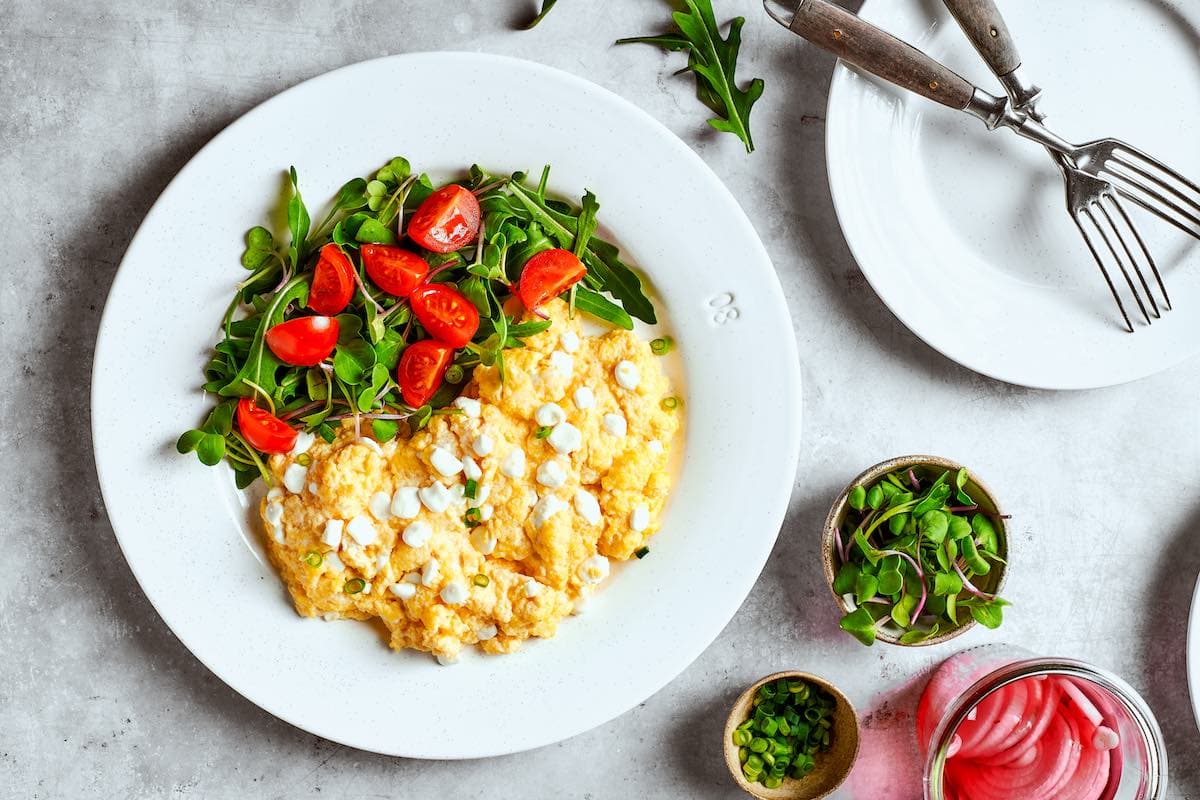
(714, 61)
(917, 552)
(519, 219)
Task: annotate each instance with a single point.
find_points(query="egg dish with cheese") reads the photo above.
(500, 517)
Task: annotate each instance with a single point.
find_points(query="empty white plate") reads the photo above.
(964, 233)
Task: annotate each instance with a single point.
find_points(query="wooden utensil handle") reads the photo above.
(981, 21)
(860, 43)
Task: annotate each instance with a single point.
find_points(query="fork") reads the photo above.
(1095, 164)
(981, 21)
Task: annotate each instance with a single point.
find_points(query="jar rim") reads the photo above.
(1153, 746)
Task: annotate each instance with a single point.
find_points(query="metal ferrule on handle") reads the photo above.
(983, 24)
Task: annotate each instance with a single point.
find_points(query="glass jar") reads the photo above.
(997, 722)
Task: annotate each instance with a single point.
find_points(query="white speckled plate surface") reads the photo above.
(185, 531)
(965, 234)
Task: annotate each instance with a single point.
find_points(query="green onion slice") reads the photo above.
(660, 347)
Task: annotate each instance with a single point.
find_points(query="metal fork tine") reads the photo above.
(1154, 162)
(1087, 238)
(1145, 251)
(1125, 246)
(1116, 256)
(1158, 212)
(1190, 215)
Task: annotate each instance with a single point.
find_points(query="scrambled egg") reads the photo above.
(566, 459)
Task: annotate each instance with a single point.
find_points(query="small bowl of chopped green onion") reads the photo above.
(791, 736)
(915, 551)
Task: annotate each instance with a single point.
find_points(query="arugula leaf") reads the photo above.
(547, 5)
(523, 330)
(586, 225)
(261, 364)
(352, 196)
(713, 60)
(600, 257)
(298, 221)
(600, 307)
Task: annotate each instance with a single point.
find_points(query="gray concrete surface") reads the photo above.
(101, 103)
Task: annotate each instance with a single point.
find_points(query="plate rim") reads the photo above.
(790, 371)
(1192, 656)
(836, 113)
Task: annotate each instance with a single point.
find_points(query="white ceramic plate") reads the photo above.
(964, 234)
(185, 531)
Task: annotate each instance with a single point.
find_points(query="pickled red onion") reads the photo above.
(1035, 740)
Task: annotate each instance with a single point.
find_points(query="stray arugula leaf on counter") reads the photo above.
(547, 5)
(378, 314)
(714, 61)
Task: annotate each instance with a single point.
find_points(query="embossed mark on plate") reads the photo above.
(723, 309)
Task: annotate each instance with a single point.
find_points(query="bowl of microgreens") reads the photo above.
(791, 736)
(915, 552)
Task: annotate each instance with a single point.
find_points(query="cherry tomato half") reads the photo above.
(304, 341)
(446, 313)
(332, 282)
(263, 430)
(422, 366)
(446, 221)
(395, 270)
(547, 275)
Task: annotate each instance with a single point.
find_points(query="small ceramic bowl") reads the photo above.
(993, 582)
(832, 767)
